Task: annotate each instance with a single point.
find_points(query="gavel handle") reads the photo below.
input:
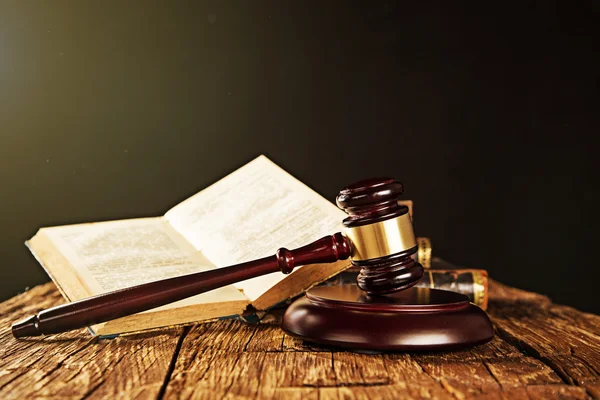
(123, 302)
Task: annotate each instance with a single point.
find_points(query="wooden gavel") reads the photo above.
(378, 237)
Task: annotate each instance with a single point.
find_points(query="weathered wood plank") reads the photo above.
(542, 351)
(290, 343)
(496, 348)
(407, 374)
(523, 371)
(76, 365)
(352, 369)
(388, 392)
(563, 338)
(572, 351)
(542, 392)
(98, 369)
(461, 379)
(266, 338)
(243, 374)
(586, 321)
(284, 393)
(312, 369)
(228, 334)
(212, 376)
(593, 390)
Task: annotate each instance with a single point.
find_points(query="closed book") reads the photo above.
(471, 282)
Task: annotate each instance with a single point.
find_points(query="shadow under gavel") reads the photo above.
(378, 237)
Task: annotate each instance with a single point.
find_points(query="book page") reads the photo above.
(112, 255)
(251, 213)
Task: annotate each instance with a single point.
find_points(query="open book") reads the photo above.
(248, 214)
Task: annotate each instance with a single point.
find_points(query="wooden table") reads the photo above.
(541, 351)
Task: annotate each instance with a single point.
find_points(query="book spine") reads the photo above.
(423, 254)
(471, 282)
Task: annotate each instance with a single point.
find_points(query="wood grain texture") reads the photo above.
(541, 351)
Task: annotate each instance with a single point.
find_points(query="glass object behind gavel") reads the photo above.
(378, 237)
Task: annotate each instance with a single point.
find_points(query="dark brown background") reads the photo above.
(486, 113)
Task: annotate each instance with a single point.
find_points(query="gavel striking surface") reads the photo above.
(384, 311)
(416, 319)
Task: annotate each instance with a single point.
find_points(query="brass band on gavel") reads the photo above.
(382, 238)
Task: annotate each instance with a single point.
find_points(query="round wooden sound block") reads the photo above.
(415, 319)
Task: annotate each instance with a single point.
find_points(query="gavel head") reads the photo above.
(381, 235)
